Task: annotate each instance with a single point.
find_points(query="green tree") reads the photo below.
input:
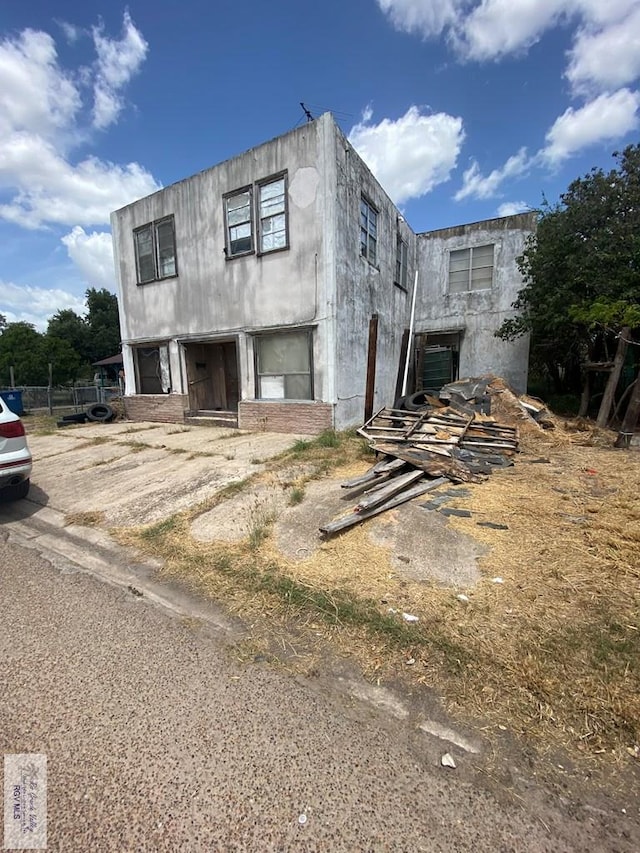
(581, 274)
(66, 325)
(103, 323)
(21, 347)
(64, 359)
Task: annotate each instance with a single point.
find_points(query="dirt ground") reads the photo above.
(527, 630)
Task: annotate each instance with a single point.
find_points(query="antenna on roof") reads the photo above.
(306, 112)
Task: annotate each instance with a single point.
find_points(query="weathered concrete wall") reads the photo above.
(478, 313)
(213, 296)
(363, 289)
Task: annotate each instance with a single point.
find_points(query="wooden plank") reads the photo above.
(438, 466)
(370, 386)
(388, 464)
(439, 450)
(418, 423)
(398, 484)
(356, 517)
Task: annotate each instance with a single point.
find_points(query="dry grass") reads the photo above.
(551, 652)
(93, 518)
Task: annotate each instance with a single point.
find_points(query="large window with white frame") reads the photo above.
(155, 249)
(284, 366)
(471, 269)
(272, 215)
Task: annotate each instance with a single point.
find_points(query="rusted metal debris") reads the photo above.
(419, 451)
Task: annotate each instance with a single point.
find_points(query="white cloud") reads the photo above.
(497, 28)
(492, 29)
(425, 17)
(606, 118)
(606, 58)
(70, 31)
(93, 256)
(510, 208)
(50, 190)
(411, 155)
(118, 61)
(36, 95)
(36, 304)
(40, 105)
(477, 185)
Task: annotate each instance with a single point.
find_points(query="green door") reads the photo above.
(437, 368)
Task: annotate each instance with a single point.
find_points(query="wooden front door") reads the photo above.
(212, 373)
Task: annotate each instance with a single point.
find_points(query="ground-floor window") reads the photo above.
(152, 369)
(284, 366)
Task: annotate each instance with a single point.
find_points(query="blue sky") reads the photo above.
(464, 109)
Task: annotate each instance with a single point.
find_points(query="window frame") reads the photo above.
(137, 350)
(152, 227)
(264, 182)
(227, 237)
(366, 230)
(257, 338)
(402, 263)
(470, 269)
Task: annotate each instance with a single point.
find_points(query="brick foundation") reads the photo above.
(306, 418)
(158, 408)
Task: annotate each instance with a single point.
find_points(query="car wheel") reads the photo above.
(100, 413)
(16, 492)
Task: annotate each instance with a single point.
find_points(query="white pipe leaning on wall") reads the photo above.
(410, 341)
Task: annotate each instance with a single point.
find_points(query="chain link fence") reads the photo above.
(40, 398)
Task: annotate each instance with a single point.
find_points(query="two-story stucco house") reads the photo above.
(276, 288)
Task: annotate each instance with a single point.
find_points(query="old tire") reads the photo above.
(416, 402)
(100, 413)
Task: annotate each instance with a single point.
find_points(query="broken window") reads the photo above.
(401, 263)
(368, 231)
(155, 247)
(471, 269)
(239, 223)
(152, 368)
(272, 204)
(283, 366)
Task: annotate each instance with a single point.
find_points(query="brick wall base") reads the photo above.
(306, 418)
(160, 408)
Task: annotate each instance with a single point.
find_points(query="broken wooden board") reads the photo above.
(435, 466)
(355, 517)
(397, 484)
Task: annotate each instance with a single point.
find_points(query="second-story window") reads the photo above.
(155, 247)
(368, 231)
(471, 269)
(401, 263)
(239, 223)
(272, 212)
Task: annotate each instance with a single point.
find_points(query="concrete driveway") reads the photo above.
(140, 473)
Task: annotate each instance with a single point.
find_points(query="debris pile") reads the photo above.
(421, 450)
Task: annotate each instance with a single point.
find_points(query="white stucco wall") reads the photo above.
(363, 289)
(477, 313)
(212, 296)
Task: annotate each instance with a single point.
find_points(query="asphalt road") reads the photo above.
(158, 739)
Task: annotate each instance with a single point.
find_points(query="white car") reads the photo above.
(15, 456)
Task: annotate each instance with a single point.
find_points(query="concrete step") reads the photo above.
(228, 420)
